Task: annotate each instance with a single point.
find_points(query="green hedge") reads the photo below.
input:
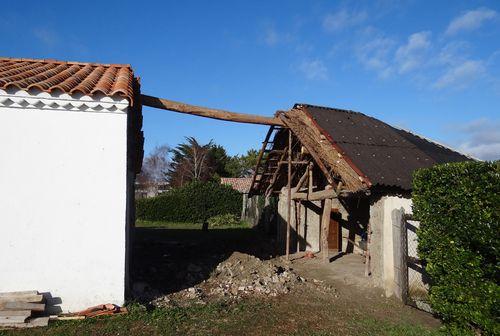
(458, 205)
(194, 202)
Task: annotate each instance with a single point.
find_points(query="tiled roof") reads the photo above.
(241, 184)
(388, 156)
(67, 77)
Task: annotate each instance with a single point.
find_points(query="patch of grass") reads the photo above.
(193, 320)
(184, 225)
(371, 326)
(247, 317)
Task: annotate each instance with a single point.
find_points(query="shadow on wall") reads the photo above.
(357, 221)
(51, 304)
(351, 230)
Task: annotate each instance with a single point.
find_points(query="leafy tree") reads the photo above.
(242, 165)
(221, 160)
(191, 161)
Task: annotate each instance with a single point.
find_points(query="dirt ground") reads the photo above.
(184, 267)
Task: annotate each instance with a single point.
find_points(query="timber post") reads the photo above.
(289, 195)
(325, 226)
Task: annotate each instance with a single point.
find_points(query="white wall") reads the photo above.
(63, 203)
(381, 247)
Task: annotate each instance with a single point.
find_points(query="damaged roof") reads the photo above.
(67, 77)
(385, 155)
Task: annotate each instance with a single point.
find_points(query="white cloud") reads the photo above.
(46, 36)
(410, 55)
(453, 53)
(461, 75)
(314, 69)
(470, 20)
(342, 19)
(374, 52)
(272, 37)
(482, 139)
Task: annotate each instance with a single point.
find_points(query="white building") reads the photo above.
(70, 146)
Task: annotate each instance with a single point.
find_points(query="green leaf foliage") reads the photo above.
(458, 205)
(223, 220)
(193, 202)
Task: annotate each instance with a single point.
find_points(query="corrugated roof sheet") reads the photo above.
(387, 156)
(68, 77)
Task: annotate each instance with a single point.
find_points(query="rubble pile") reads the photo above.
(240, 276)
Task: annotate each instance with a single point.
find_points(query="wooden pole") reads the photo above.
(298, 225)
(325, 227)
(310, 188)
(206, 112)
(289, 195)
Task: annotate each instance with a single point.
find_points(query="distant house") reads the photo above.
(151, 189)
(71, 136)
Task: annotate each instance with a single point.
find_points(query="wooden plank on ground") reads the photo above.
(22, 306)
(13, 319)
(32, 298)
(22, 293)
(30, 323)
(14, 312)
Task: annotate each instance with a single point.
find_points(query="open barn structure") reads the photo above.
(70, 134)
(338, 175)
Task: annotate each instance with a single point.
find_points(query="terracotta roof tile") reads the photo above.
(241, 184)
(68, 77)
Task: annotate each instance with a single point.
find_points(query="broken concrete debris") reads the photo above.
(240, 276)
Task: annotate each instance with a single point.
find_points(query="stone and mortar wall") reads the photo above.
(309, 228)
(382, 240)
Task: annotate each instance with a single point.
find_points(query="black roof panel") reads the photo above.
(386, 155)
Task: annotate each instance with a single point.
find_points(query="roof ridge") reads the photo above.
(328, 108)
(54, 61)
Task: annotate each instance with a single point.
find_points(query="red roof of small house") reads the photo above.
(67, 77)
(241, 184)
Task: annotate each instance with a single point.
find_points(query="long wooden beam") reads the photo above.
(315, 196)
(206, 112)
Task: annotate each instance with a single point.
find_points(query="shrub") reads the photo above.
(194, 202)
(223, 220)
(458, 205)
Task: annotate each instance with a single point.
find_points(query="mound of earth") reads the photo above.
(240, 276)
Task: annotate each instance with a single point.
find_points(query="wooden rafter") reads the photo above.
(166, 104)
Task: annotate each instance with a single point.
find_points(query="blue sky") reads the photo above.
(429, 66)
